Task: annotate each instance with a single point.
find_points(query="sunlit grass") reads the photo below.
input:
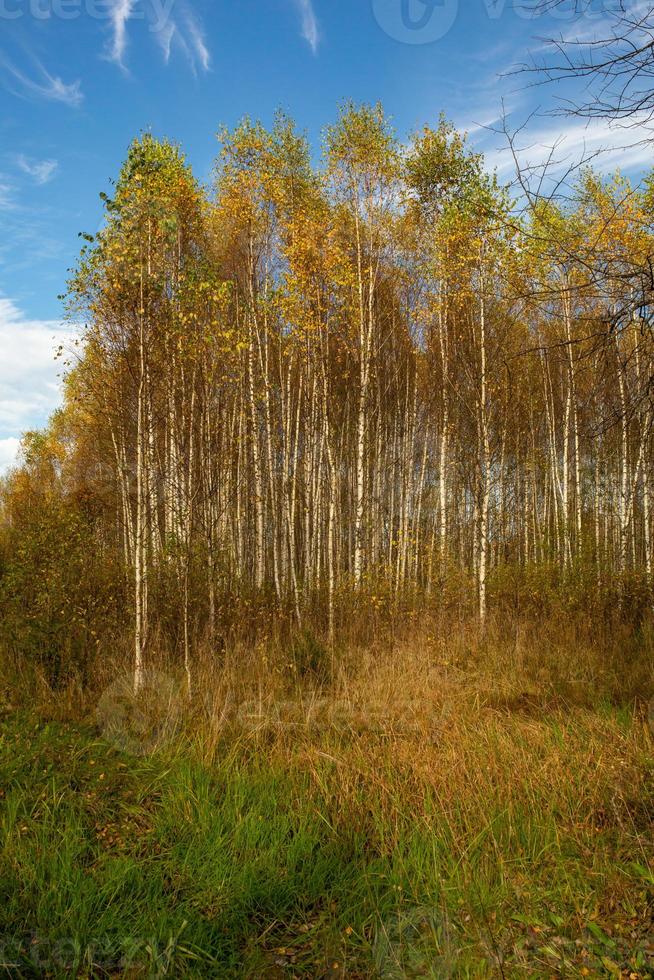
(497, 834)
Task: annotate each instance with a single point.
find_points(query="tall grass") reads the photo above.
(439, 803)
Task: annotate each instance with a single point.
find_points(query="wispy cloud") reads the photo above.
(309, 24)
(8, 452)
(197, 41)
(120, 12)
(564, 145)
(46, 86)
(184, 31)
(165, 37)
(41, 171)
(590, 25)
(6, 199)
(29, 385)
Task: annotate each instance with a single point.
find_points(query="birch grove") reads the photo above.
(356, 375)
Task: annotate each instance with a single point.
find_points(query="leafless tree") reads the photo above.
(614, 55)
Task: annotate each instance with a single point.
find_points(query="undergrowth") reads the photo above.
(476, 807)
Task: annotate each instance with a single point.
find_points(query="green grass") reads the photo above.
(515, 846)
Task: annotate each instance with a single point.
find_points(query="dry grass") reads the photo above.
(464, 803)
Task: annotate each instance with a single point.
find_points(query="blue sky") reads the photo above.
(80, 78)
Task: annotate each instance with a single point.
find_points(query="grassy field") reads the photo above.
(473, 827)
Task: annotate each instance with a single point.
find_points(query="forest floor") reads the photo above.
(506, 834)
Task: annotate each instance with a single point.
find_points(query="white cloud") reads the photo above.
(6, 201)
(564, 144)
(165, 37)
(120, 12)
(186, 32)
(41, 171)
(310, 30)
(48, 86)
(8, 453)
(30, 389)
(589, 26)
(197, 41)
